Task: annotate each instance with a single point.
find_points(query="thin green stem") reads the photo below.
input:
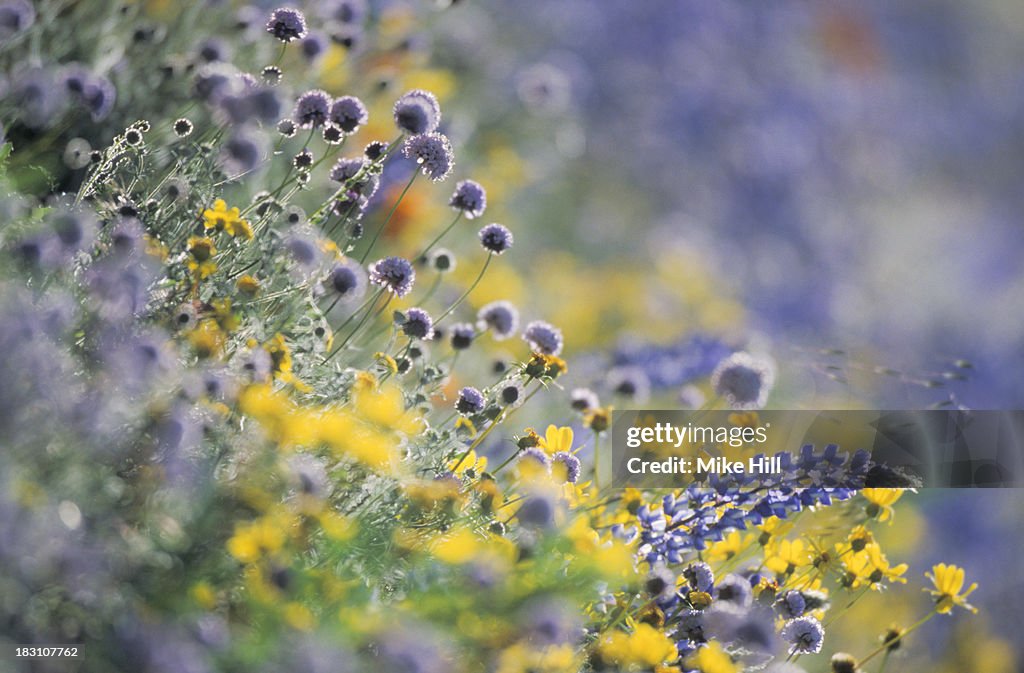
(387, 219)
(465, 294)
(438, 238)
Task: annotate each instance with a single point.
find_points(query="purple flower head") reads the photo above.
(394, 274)
(470, 198)
(699, 577)
(375, 150)
(538, 510)
(214, 49)
(496, 238)
(37, 96)
(804, 634)
(791, 604)
(501, 317)
(418, 324)
(735, 589)
(287, 24)
(348, 113)
(313, 46)
(241, 153)
(511, 393)
(536, 456)
(349, 280)
(584, 399)
(661, 582)
(346, 169)
(344, 11)
(303, 249)
(544, 338)
(569, 463)
(15, 17)
(630, 382)
(96, 93)
(462, 336)
(432, 152)
(417, 112)
(443, 260)
(743, 380)
(214, 81)
(312, 109)
(471, 401)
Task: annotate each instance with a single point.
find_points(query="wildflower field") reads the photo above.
(313, 320)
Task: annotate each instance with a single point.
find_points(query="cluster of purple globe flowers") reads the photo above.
(707, 510)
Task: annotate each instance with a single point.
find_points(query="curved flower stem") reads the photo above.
(886, 645)
(430, 291)
(465, 294)
(846, 607)
(376, 235)
(438, 238)
(369, 311)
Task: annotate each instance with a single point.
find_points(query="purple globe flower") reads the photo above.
(496, 238)
(568, 462)
(511, 393)
(348, 280)
(312, 109)
(501, 317)
(287, 24)
(348, 113)
(699, 576)
(313, 46)
(433, 153)
(743, 380)
(418, 324)
(631, 382)
(394, 274)
(344, 11)
(543, 337)
(804, 634)
(462, 336)
(534, 455)
(471, 401)
(470, 198)
(417, 112)
(584, 399)
(15, 16)
(346, 169)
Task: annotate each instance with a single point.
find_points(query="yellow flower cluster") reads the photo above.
(228, 220)
(644, 648)
(368, 429)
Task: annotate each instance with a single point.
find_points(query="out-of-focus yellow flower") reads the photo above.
(880, 502)
(713, 659)
(336, 526)
(299, 617)
(523, 658)
(471, 462)
(202, 593)
(256, 539)
(949, 581)
(207, 339)
(645, 647)
(200, 262)
(248, 285)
